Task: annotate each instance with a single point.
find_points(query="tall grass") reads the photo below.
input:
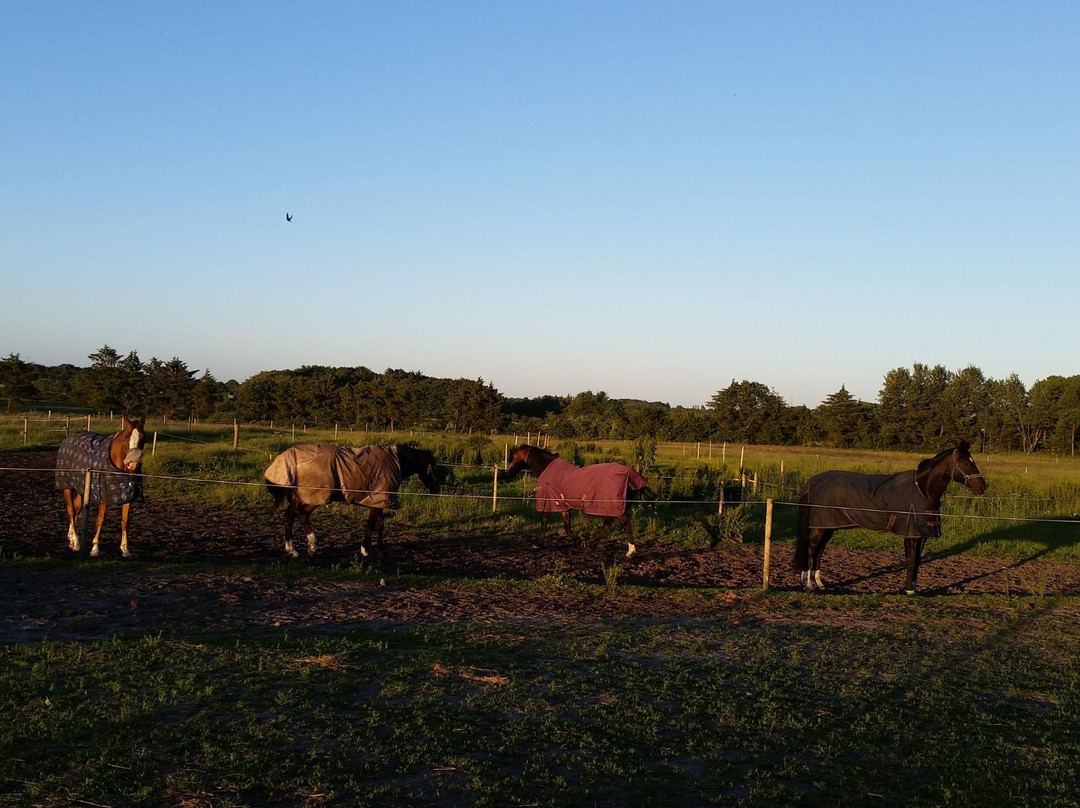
(1031, 508)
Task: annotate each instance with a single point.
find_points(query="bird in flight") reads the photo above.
(288, 217)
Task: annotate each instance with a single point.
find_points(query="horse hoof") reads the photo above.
(631, 551)
(128, 555)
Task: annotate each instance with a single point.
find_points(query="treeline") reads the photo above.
(921, 408)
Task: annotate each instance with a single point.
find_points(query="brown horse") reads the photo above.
(907, 504)
(113, 463)
(601, 489)
(309, 476)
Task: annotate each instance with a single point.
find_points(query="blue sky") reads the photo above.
(646, 199)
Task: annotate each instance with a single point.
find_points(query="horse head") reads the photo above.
(965, 471)
(423, 464)
(126, 450)
(528, 457)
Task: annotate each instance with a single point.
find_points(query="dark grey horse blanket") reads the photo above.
(365, 475)
(598, 490)
(888, 502)
(85, 451)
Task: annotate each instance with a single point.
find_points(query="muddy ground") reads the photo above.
(66, 601)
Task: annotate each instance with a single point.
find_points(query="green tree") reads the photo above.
(208, 395)
(749, 412)
(16, 380)
(112, 383)
(840, 418)
(170, 388)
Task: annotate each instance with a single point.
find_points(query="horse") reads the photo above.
(309, 476)
(907, 504)
(113, 462)
(601, 489)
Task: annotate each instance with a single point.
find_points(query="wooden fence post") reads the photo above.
(235, 435)
(87, 423)
(768, 544)
(153, 449)
(506, 456)
(720, 507)
(25, 430)
(495, 488)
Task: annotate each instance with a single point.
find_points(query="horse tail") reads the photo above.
(801, 560)
(280, 493)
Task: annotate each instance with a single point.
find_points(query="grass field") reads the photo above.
(790, 700)
(787, 699)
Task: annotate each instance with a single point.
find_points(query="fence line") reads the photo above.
(526, 498)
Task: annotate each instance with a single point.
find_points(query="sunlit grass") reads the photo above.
(1031, 508)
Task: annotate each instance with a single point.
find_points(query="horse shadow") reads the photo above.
(1038, 539)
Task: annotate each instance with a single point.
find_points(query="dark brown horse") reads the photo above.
(907, 504)
(113, 463)
(309, 476)
(601, 489)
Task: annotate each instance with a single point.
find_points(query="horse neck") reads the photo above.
(934, 482)
(409, 461)
(539, 460)
(118, 447)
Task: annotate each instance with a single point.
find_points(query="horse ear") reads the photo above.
(964, 447)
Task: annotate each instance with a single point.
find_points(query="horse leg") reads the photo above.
(290, 516)
(566, 526)
(628, 527)
(125, 518)
(369, 529)
(305, 512)
(97, 530)
(913, 548)
(380, 525)
(544, 515)
(72, 504)
(819, 537)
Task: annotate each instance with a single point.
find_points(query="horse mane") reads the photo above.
(544, 453)
(925, 465)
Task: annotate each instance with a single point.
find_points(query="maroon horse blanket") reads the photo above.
(598, 490)
(365, 475)
(891, 503)
(89, 451)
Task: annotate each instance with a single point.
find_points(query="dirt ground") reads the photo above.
(68, 602)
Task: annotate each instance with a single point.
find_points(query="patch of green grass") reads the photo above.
(806, 701)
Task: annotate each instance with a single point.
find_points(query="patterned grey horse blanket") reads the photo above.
(597, 490)
(892, 503)
(89, 451)
(365, 475)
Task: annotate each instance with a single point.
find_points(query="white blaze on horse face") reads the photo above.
(133, 441)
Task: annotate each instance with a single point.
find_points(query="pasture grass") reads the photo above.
(1032, 507)
(790, 699)
(786, 699)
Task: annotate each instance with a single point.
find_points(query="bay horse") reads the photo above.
(907, 504)
(113, 462)
(601, 489)
(308, 476)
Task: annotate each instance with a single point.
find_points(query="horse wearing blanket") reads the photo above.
(907, 504)
(309, 476)
(113, 463)
(561, 487)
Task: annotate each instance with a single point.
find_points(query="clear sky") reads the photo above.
(650, 199)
